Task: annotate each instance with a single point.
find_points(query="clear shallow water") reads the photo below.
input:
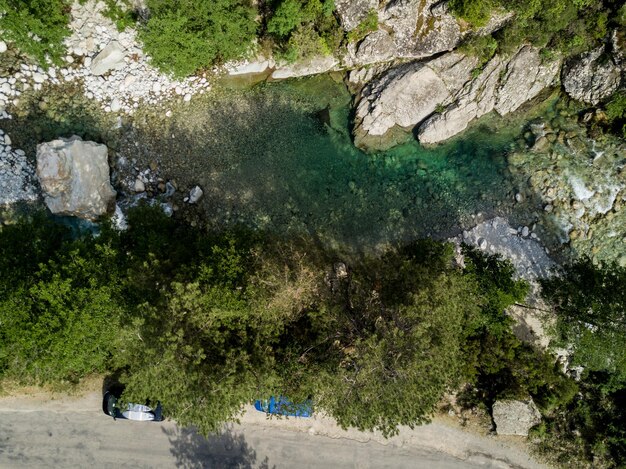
(270, 159)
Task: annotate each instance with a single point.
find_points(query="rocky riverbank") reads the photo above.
(554, 183)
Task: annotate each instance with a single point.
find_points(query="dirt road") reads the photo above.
(73, 432)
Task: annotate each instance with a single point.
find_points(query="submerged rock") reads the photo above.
(591, 77)
(74, 176)
(195, 195)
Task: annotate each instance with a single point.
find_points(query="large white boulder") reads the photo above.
(513, 417)
(74, 176)
(503, 85)
(109, 58)
(405, 96)
(592, 76)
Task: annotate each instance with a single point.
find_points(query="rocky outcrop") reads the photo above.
(312, 66)
(502, 86)
(250, 67)
(591, 77)
(402, 97)
(353, 12)
(409, 95)
(514, 417)
(74, 176)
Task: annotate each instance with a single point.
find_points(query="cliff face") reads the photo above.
(408, 77)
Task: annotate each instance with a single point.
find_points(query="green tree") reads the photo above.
(590, 305)
(37, 27)
(184, 36)
(304, 28)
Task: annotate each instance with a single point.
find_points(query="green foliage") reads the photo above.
(122, 14)
(303, 28)
(184, 36)
(369, 24)
(475, 12)
(59, 321)
(483, 47)
(496, 279)
(616, 112)
(566, 26)
(590, 303)
(37, 27)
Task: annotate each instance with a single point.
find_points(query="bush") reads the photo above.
(475, 12)
(184, 36)
(303, 28)
(37, 27)
(616, 112)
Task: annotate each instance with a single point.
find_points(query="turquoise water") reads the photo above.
(268, 158)
(279, 157)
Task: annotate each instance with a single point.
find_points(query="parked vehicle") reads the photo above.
(283, 406)
(139, 412)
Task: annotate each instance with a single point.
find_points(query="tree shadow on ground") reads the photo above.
(227, 450)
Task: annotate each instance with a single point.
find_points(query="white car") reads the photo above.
(139, 412)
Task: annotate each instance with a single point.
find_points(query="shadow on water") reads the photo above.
(280, 158)
(262, 160)
(228, 450)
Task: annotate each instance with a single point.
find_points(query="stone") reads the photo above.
(109, 58)
(195, 195)
(250, 67)
(591, 77)
(353, 12)
(156, 87)
(187, 97)
(341, 271)
(504, 84)
(402, 97)
(74, 176)
(139, 186)
(39, 77)
(525, 232)
(527, 74)
(312, 66)
(515, 417)
(115, 105)
(377, 46)
(3, 47)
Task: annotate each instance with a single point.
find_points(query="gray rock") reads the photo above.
(376, 47)
(116, 105)
(353, 12)
(402, 97)
(3, 47)
(109, 58)
(513, 417)
(591, 77)
(312, 66)
(139, 186)
(74, 176)
(195, 195)
(250, 67)
(503, 85)
(527, 74)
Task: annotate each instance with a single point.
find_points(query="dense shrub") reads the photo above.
(566, 26)
(37, 27)
(616, 112)
(184, 36)
(303, 28)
